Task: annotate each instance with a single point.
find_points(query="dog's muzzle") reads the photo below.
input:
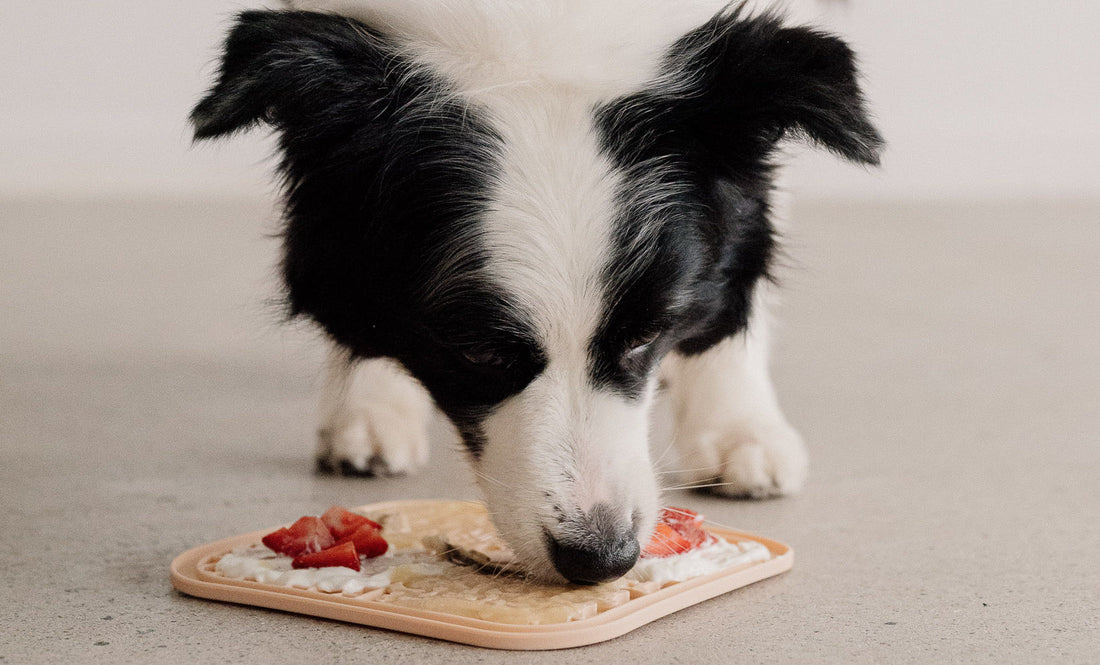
(596, 547)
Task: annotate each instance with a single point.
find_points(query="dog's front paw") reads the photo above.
(375, 423)
(749, 461)
(372, 442)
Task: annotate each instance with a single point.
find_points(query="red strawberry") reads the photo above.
(338, 555)
(305, 536)
(687, 523)
(665, 541)
(341, 522)
(681, 516)
(278, 540)
(368, 541)
(678, 531)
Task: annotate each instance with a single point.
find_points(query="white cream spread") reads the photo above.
(260, 564)
(715, 555)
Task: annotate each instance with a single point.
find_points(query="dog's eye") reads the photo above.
(639, 346)
(489, 358)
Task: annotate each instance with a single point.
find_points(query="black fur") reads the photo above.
(730, 91)
(385, 176)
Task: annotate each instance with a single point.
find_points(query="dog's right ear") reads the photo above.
(292, 70)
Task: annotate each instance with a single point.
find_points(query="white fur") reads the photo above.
(561, 441)
(606, 47)
(559, 444)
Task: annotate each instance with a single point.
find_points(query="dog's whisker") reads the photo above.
(693, 486)
(485, 476)
(664, 453)
(675, 435)
(676, 471)
(719, 524)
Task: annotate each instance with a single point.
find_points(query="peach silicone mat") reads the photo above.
(192, 573)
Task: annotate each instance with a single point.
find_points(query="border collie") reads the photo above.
(530, 215)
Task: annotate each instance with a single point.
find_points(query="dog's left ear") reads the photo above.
(301, 72)
(758, 82)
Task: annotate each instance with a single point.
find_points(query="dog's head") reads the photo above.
(529, 213)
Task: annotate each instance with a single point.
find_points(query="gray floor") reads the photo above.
(942, 361)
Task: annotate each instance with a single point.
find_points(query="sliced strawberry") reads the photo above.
(666, 541)
(279, 540)
(337, 555)
(368, 541)
(341, 522)
(687, 523)
(305, 536)
(677, 531)
(681, 516)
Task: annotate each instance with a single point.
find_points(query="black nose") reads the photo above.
(595, 548)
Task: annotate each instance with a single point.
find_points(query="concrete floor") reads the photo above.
(942, 361)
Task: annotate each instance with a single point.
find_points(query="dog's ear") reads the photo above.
(291, 69)
(759, 81)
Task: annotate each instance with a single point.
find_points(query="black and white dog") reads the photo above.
(529, 214)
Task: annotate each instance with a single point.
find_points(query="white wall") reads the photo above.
(984, 98)
(96, 94)
(981, 98)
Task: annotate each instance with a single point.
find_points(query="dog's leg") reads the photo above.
(373, 418)
(727, 424)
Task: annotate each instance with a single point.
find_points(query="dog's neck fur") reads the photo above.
(601, 49)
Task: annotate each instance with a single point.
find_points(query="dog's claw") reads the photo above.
(376, 467)
(347, 468)
(324, 466)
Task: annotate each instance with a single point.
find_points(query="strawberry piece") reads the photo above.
(687, 523)
(278, 540)
(678, 530)
(337, 555)
(681, 516)
(368, 541)
(305, 536)
(665, 541)
(341, 522)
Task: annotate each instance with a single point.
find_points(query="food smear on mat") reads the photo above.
(446, 557)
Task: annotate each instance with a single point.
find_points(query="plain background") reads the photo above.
(980, 99)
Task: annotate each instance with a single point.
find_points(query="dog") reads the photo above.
(542, 218)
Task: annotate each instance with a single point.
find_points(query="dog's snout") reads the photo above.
(595, 548)
(594, 563)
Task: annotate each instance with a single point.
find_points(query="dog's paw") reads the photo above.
(372, 442)
(750, 461)
(376, 425)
